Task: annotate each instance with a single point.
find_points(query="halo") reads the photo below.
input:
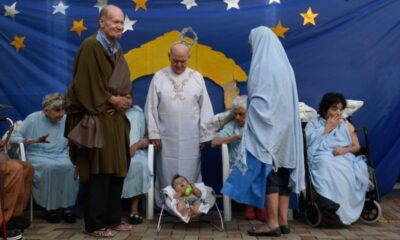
(183, 34)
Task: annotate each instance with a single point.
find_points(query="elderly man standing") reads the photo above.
(177, 105)
(96, 124)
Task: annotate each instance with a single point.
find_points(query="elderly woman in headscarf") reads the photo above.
(231, 134)
(272, 138)
(55, 185)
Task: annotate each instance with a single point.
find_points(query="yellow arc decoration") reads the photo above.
(153, 56)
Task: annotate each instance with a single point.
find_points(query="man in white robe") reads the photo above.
(176, 109)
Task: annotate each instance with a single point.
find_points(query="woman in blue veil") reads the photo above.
(272, 160)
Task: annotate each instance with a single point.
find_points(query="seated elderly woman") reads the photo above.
(339, 176)
(55, 185)
(231, 134)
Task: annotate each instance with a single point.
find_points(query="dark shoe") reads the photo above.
(330, 215)
(285, 229)
(19, 222)
(135, 219)
(69, 216)
(276, 232)
(52, 217)
(13, 234)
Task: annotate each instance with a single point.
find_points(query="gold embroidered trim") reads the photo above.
(178, 87)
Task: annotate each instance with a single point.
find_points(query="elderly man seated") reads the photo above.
(15, 189)
(55, 185)
(340, 177)
(231, 134)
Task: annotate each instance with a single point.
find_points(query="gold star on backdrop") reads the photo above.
(18, 42)
(280, 30)
(78, 27)
(309, 17)
(140, 4)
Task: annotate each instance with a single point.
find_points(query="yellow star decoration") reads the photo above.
(78, 27)
(309, 17)
(280, 30)
(140, 4)
(18, 42)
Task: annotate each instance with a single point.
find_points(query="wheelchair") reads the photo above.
(372, 210)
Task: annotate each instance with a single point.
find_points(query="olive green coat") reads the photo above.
(88, 94)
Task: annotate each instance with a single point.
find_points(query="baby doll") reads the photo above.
(187, 196)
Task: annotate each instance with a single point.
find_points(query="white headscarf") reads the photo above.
(273, 130)
(53, 100)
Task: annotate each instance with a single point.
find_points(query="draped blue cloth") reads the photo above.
(343, 179)
(139, 175)
(272, 137)
(273, 129)
(249, 187)
(54, 185)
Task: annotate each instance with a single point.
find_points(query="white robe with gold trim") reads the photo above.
(177, 108)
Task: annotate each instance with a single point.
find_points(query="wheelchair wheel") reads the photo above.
(313, 215)
(371, 212)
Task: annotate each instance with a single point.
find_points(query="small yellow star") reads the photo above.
(280, 30)
(140, 4)
(78, 27)
(18, 42)
(309, 17)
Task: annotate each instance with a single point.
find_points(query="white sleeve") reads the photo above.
(206, 113)
(151, 111)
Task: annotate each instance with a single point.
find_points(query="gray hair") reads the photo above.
(240, 102)
(104, 10)
(53, 100)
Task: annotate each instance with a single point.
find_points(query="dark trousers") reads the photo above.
(102, 201)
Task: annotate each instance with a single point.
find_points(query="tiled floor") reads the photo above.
(387, 228)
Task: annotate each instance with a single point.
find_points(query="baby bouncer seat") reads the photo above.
(207, 202)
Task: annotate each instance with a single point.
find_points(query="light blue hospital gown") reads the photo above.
(54, 185)
(139, 175)
(230, 129)
(343, 179)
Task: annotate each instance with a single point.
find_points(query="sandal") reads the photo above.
(123, 227)
(52, 217)
(101, 233)
(135, 219)
(68, 216)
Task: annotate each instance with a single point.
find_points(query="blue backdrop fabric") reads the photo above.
(353, 49)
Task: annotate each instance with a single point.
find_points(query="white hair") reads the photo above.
(240, 102)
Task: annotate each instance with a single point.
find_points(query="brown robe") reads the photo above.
(16, 180)
(95, 81)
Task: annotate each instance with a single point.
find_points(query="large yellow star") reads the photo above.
(18, 42)
(140, 4)
(309, 17)
(78, 27)
(280, 30)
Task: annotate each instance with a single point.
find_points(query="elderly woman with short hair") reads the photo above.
(231, 134)
(339, 176)
(54, 186)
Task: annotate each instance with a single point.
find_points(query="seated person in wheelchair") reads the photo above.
(231, 134)
(15, 190)
(55, 186)
(187, 196)
(339, 177)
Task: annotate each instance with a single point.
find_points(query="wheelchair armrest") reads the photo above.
(225, 162)
(17, 151)
(150, 193)
(225, 173)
